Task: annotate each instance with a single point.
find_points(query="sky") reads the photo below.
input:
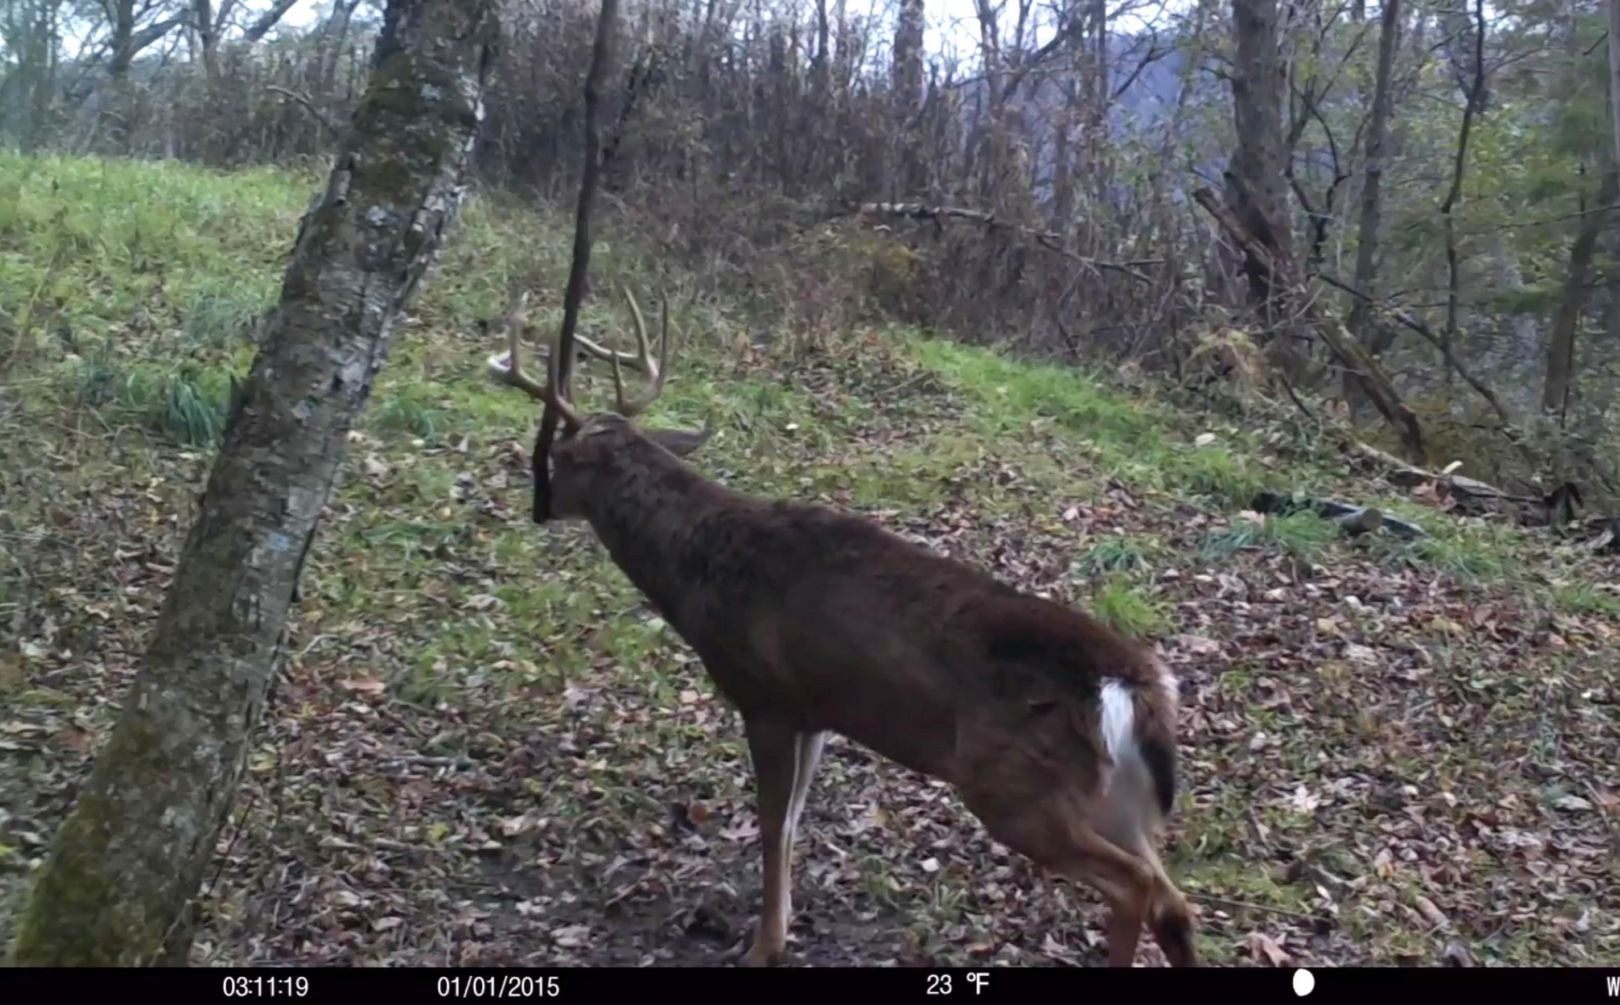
(952, 18)
(951, 27)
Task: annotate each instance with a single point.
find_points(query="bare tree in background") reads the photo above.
(1473, 84)
(1372, 190)
(1595, 215)
(1614, 74)
(1566, 321)
(210, 25)
(121, 873)
(1256, 180)
(28, 77)
(1052, 144)
(908, 94)
(135, 25)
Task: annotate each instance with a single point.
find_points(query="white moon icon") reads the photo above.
(1304, 982)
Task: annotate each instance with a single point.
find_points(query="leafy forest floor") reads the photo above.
(484, 749)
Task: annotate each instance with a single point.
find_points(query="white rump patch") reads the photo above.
(1127, 805)
(1118, 721)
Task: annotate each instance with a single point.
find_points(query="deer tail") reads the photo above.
(1138, 732)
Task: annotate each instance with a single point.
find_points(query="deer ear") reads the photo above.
(679, 442)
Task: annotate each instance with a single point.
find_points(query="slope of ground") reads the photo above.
(485, 750)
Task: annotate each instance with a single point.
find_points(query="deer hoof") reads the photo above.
(761, 955)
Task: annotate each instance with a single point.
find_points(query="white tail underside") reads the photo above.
(1118, 721)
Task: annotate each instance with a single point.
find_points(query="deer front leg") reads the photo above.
(784, 760)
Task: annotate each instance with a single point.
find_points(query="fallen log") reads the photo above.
(1598, 535)
(1355, 520)
(1607, 539)
(1459, 493)
(1409, 475)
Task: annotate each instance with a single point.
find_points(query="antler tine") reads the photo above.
(595, 351)
(628, 407)
(508, 369)
(643, 350)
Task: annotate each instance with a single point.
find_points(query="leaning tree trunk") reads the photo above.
(1473, 104)
(129, 859)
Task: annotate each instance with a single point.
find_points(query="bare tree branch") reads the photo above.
(308, 104)
(1048, 240)
(269, 19)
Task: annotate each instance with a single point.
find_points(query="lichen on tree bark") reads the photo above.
(124, 867)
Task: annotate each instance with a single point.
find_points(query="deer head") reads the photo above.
(576, 460)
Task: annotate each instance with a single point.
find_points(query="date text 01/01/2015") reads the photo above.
(498, 986)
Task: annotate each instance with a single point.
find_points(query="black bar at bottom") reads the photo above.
(940, 986)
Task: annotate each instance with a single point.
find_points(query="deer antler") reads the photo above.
(591, 349)
(507, 369)
(631, 407)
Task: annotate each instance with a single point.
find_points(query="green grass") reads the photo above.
(1013, 394)
(1214, 473)
(187, 405)
(1303, 535)
(1136, 438)
(1116, 553)
(1128, 608)
(1468, 553)
(1587, 599)
(135, 288)
(99, 244)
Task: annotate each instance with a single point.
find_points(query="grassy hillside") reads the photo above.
(484, 748)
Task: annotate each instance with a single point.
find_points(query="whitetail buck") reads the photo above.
(1057, 732)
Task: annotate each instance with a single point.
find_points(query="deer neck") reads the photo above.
(644, 511)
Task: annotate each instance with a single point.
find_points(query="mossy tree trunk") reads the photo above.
(124, 868)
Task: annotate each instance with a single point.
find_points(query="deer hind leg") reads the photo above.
(1056, 837)
(1168, 915)
(1171, 919)
(1139, 890)
(1128, 881)
(785, 760)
